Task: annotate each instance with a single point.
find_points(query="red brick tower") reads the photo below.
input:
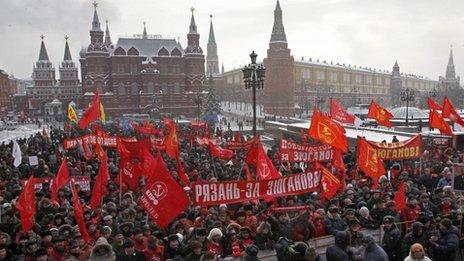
(279, 83)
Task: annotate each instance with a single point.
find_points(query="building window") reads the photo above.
(134, 89)
(333, 76)
(133, 68)
(176, 88)
(358, 78)
(164, 87)
(379, 80)
(120, 68)
(151, 87)
(368, 79)
(320, 75)
(387, 81)
(346, 78)
(306, 74)
(121, 89)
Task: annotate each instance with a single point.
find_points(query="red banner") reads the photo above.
(82, 181)
(441, 141)
(237, 145)
(108, 141)
(294, 152)
(215, 193)
(408, 149)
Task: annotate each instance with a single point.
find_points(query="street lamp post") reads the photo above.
(433, 93)
(318, 98)
(407, 96)
(198, 103)
(253, 76)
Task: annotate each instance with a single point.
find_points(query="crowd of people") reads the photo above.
(429, 228)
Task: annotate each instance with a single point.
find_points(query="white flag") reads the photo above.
(17, 154)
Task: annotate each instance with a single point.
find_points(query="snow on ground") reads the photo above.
(21, 131)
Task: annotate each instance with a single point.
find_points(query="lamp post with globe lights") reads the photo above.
(407, 96)
(253, 77)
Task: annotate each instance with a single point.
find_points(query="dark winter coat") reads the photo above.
(448, 245)
(412, 238)
(374, 252)
(102, 251)
(333, 225)
(338, 251)
(391, 243)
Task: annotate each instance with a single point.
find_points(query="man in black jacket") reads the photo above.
(128, 253)
(338, 251)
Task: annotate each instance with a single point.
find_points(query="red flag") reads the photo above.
(433, 105)
(61, 179)
(172, 144)
(400, 197)
(100, 152)
(369, 161)
(248, 175)
(437, 122)
(337, 160)
(450, 112)
(26, 205)
(137, 148)
(223, 154)
(99, 187)
(148, 129)
(264, 167)
(328, 131)
(129, 173)
(79, 215)
(92, 113)
(87, 152)
(181, 171)
(163, 198)
(237, 136)
(380, 114)
(330, 183)
(338, 113)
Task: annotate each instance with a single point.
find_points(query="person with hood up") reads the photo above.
(417, 253)
(391, 241)
(333, 221)
(373, 252)
(416, 235)
(445, 246)
(214, 241)
(173, 247)
(338, 252)
(102, 251)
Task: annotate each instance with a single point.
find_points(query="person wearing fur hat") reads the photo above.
(264, 237)
(214, 241)
(245, 237)
(195, 248)
(128, 253)
(417, 253)
(102, 251)
(416, 235)
(231, 244)
(391, 240)
(155, 249)
(140, 241)
(173, 247)
(445, 245)
(59, 249)
(118, 241)
(40, 255)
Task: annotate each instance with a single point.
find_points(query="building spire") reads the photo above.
(107, 35)
(67, 53)
(211, 38)
(43, 55)
(278, 31)
(222, 68)
(450, 70)
(193, 26)
(144, 31)
(95, 22)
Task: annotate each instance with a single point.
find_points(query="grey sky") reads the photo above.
(372, 33)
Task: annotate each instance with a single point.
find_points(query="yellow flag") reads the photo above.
(72, 114)
(102, 113)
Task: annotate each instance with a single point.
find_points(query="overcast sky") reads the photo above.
(372, 33)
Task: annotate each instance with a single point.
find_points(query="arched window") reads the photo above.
(151, 87)
(133, 51)
(176, 52)
(134, 89)
(121, 89)
(163, 52)
(119, 51)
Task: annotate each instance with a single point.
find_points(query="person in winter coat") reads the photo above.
(417, 253)
(263, 239)
(333, 221)
(173, 247)
(128, 253)
(214, 241)
(338, 252)
(102, 251)
(445, 246)
(416, 235)
(391, 241)
(373, 252)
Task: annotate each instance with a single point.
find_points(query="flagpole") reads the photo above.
(120, 187)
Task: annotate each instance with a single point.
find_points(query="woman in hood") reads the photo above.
(102, 251)
(417, 253)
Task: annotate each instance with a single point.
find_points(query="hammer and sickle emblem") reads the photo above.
(325, 133)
